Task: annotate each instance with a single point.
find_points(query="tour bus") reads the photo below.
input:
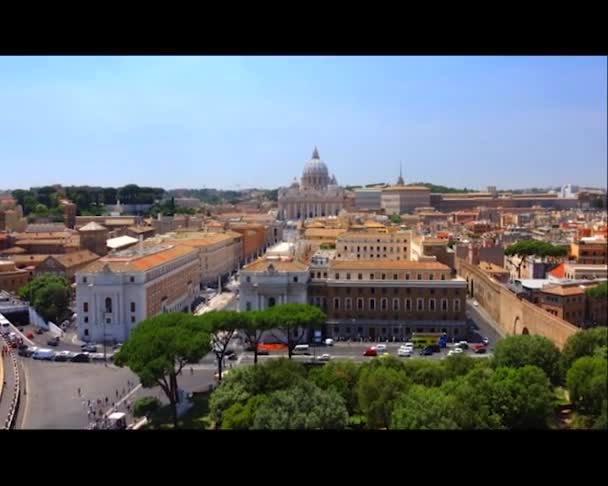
(422, 340)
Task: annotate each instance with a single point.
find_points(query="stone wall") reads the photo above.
(513, 315)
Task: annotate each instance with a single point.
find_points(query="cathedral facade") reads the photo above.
(317, 195)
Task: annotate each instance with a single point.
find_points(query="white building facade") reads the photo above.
(271, 281)
(117, 292)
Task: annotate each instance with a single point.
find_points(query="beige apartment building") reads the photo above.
(368, 246)
(388, 299)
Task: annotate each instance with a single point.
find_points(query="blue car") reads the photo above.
(428, 351)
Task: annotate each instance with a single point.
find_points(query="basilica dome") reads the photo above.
(315, 175)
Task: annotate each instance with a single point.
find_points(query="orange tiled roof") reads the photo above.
(261, 265)
(76, 258)
(559, 271)
(324, 232)
(141, 263)
(563, 291)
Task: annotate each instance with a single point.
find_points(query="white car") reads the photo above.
(454, 351)
(324, 357)
(329, 342)
(381, 348)
(486, 341)
(404, 352)
(409, 345)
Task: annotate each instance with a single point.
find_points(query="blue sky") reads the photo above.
(230, 122)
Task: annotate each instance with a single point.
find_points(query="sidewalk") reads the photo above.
(217, 303)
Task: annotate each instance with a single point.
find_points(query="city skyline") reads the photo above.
(230, 122)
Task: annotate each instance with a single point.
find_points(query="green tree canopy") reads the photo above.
(598, 292)
(254, 324)
(522, 397)
(583, 343)
(473, 394)
(158, 349)
(303, 406)
(222, 325)
(341, 376)
(587, 382)
(241, 417)
(543, 249)
(146, 406)
(377, 390)
(522, 350)
(50, 295)
(295, 321)
(424, 408)
(245, 382)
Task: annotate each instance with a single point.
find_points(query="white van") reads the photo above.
(45, 354)
(301, 349)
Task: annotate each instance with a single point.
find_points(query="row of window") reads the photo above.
(383, 276)
(432, 305)
(108, 306)
(396, 330)
(108, 320)
(371, 249)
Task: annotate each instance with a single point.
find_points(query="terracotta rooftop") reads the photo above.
(562, 291)
(261, 265)
(559, 271)
(141, 229)
(76, 258)
(202, 239)
(139, 263)
(386, 265)
(356, 236)
(93, 226)
(324, 232)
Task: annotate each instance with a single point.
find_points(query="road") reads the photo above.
(481, 324)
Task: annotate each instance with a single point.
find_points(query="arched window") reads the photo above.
(108, 305)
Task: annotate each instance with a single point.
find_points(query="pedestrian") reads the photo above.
(191, 370)
(78, 391)
(116, 393)
(106, 400)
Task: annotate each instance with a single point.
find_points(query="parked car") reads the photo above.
(404, 352)
(64, 356)
(329, 342)
(480, 350)
(27, 351)
(486, 341)
(53, 341)
(80, 358)
(89, 348)
(435, 348)
(381, 348)
(97, 356)
(39, 330)
(324, 357)
(44, 354)
(263, 352)
(428, 351)
(462, 345)
(371, 352)
(233, 357)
